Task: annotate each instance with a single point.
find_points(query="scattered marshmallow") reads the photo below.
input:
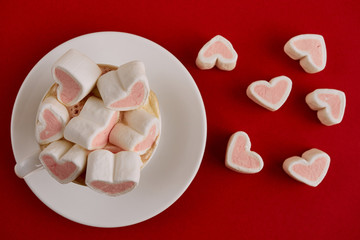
(137, 132)
(51, 118)
(330, 104)
(310, 49)
(76, 75)
(239, 157)
(63, 160)
(270, 95)
(92, 127)
(218, 51)
(126, 88)
(310, 168)
(113, 174)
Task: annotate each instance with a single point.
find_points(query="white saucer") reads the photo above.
(175, 162)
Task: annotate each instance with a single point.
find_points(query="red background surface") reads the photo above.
(219, 203)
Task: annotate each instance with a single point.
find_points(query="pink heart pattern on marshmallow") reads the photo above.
(239, 157)
(330, 104)
(270, 95)
(63, 160)
(51, 120)
(310, 49)
(310, 168)
(218, 51)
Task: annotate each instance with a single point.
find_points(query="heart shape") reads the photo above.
(68, 89)
(310, 49)
(60, 170)
(76, 75)
(63, 160)
(51, 120)
(239, 157)
(310, 168)
(330, 104)
(218, 51)
(271, 95)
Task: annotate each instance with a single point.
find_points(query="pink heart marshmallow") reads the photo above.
(270, 95)
(330, 104)
(310, 49)
(52, 117)
(310, 168)
(218, 51)
(63, 160)
(239, 157)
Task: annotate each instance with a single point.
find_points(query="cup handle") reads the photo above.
(28, 165)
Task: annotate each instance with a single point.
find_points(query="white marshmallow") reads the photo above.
(218, 51)
(113, 174)
(330, 104)
(63, 160)
(310, 168)
(51, 118)
(137, 132)
(126, 88)
(310, 49)
(92, 127)
(270, 95)
(239, 157)
(76, 75)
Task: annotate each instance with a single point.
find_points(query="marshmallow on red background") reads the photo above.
(270, 95)
(310, 168)
(330, 104)
(137, 132)
(126, 88)
(113, 174)
(64, 160)
(239, 157)
(76, 75)
(92, 127)
(310, 49)
(218, 51)
(51, 118)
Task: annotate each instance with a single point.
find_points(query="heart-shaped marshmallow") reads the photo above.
(63, 160)
(310, 49)
(330, 104)
(126, 88)
(51, 118)
(137, 132)
(310, 168)
(239, 157)
(91, 128)
(271, 95)
(113, 174)
(218, 51)
(76, 75)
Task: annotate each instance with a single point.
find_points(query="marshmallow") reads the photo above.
(239, 157)
(126, 88)
(270, 95)
(51, 118)
(76, 75)
(92, 127)
(218, 51)
(310, 168)
(310, 49)
(63, 160)
(137, 132)
(329, 103)
(113, 174)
